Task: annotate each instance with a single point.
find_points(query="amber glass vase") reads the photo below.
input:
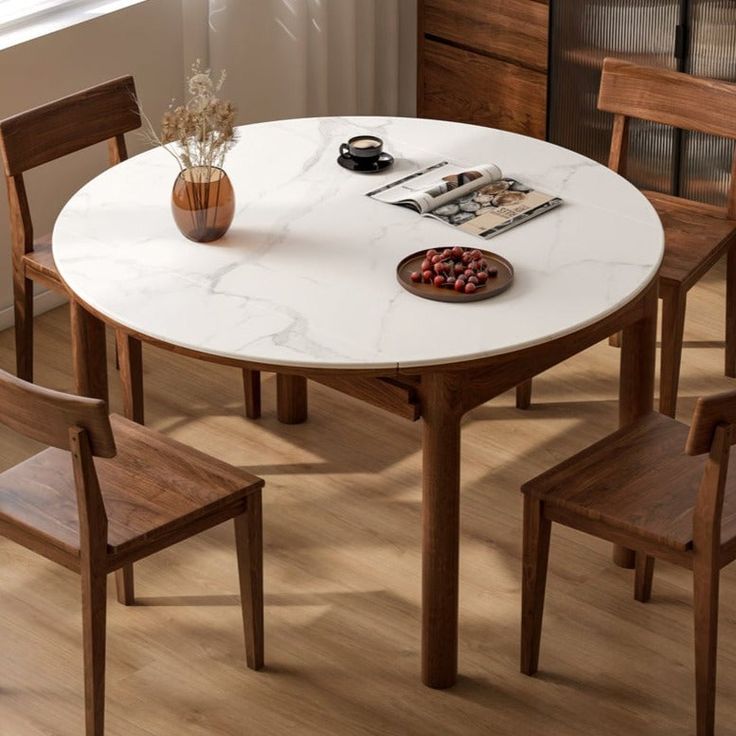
(203, 203)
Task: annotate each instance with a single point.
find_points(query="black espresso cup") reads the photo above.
(365, 150)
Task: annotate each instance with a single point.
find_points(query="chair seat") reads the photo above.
(40, 264)
(153, 487)
(638, 480)
(694, 238)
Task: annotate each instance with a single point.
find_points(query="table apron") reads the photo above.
(479, 383)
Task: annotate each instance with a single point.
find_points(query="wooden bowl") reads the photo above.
(494, 286)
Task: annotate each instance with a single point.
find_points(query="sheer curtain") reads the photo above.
(293, 58)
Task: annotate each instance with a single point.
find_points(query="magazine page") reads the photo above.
(495, 207)
(436, 186)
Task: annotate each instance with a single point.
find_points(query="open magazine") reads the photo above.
(479, 200)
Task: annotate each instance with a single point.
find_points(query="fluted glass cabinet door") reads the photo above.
(583, 33)
(706, 160)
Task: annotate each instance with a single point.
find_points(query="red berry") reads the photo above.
(416, 277)
(459, 285)
(493, 272)
(431, 253)
(426, 264)
(439, 280)
(451, 280)
(483, 263)
(470, 288)
(466, 257)
(468, 273)
(459, 268)
(439, 267)
(473, 280)
(482, 277)
(427, 276)
(446, 253)
(436, 259)
(476, 254)
(457, 252)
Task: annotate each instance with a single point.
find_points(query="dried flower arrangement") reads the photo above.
(201, 132)
(198, 135)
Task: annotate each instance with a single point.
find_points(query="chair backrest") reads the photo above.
(711, 431)
(72, 423)
(102, 113)
(69, 124)
(46, 416)
(710, 411)
(662, 96)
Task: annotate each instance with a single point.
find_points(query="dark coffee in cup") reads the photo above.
(365, 150)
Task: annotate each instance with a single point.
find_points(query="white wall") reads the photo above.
(144, 40)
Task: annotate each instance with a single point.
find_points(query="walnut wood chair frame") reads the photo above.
(697, 235)
(189, 492)
(638, 487)
(105, 112)
(36, 137)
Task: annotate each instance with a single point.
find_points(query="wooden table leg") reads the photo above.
(291, 399)
(636, 388)
(89, 353)
(440, 529)
(524, 395)
(130, 362)
(252, 393)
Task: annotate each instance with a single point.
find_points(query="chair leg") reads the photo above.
(23, 311)
(534, 578)
(673, 323)
(249, 547)
(125, 585)
(94, 614)
(706, 578)
(252, 392)
(731, 314)
(524, 395)
(615, 340)
(130, 359)
(643, 577)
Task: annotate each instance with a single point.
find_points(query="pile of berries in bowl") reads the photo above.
(462, 269)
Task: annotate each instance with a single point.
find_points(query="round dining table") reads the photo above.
(304, 284)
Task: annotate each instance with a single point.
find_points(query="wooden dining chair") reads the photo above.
(108, 492)
(649, 488)
(36, 137)
(697, 235)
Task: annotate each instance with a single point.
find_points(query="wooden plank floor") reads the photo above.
(342, 531)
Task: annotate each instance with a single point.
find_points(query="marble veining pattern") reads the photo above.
(306, 275)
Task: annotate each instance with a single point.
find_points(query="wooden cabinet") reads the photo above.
(484, 62)
(474, 88)
(513, 30)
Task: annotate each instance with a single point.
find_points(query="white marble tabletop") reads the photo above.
(306, 276)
